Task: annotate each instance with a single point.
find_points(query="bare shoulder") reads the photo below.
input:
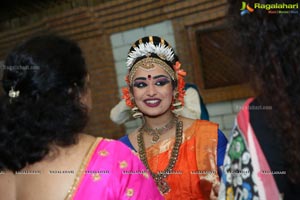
(133, 134)
(55, 173)
(187, 122)
(7, 185)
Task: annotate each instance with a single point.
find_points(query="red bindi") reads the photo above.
(149, 77)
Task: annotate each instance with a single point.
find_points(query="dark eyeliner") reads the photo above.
(139, 84)
(162, 82)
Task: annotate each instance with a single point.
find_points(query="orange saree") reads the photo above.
(194, 175)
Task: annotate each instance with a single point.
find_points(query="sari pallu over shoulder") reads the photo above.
(111, 171)
(195, 173)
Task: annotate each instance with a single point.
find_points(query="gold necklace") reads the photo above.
(160, 176)
(156, 132)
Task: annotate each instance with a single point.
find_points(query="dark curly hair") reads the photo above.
(270, 46)
(50, 74)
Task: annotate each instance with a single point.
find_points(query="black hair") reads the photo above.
(49, 73)
(270, 46)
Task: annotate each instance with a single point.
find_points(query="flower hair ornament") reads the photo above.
(162, 50)
(144, 48)
(180, 92)
(13, 93)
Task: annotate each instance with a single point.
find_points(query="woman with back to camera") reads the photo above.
(44, 154)
(183, 155)
(262, 160)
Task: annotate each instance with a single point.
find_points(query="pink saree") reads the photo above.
(111, 171)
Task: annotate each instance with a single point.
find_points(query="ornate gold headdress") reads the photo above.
(162, 50)
(147, 64)
(164, 57)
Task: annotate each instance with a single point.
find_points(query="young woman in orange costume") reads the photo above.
(183, 155)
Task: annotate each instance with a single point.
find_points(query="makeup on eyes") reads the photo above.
(139, 84)
(159, 80)
(162, 81)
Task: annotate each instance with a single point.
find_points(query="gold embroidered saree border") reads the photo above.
(83, 165)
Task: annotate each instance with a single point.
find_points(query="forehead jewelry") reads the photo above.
(148, 64)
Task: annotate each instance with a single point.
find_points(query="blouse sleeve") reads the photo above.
(221, 150)
(222, 143)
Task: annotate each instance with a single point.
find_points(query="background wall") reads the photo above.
(105, 31)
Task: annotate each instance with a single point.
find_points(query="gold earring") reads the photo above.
(135, 110)
(177, 105)
(136, 113)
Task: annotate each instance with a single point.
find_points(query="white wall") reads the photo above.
(224, 113)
